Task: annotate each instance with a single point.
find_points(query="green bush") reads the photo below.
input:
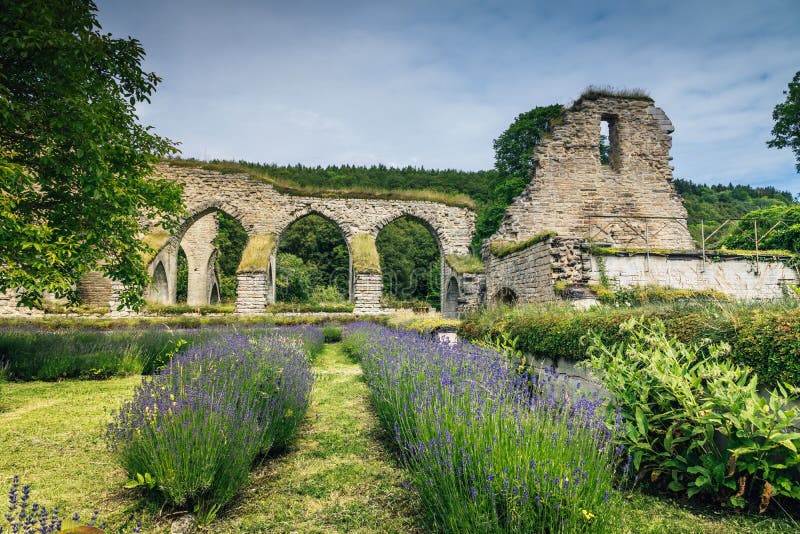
(333, 334)
(694, 422)
(765, 338)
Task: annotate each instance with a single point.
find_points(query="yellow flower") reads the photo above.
(587, 515)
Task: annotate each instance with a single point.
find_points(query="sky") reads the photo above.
(432, 83)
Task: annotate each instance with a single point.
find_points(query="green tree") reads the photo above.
(512, 153)
(784, 236)
(410, 261)
(786, 115)
(323, 249)
(292, 281)
(230, 242)
(75, 165)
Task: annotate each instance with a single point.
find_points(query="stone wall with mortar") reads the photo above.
(737, 277)
(263, 210)
(468, 294)
(573, 194)
(532, 273)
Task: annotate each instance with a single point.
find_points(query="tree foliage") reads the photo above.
(714, 204)
(230, 243)
(321, 247)
(784, 222)
(292, 279)
(513, 150)
(410, 262)
(786, 115)
(74, 161)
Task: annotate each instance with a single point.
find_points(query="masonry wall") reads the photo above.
(736, 277)
(573, 194)
(532, 273)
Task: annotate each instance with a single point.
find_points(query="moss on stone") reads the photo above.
(465, 263)
(502, 249)
(156, 240)
(365, 254)
(290, 188)
(256, 255)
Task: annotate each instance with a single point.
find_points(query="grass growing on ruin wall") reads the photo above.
(256, 255)
(156, 240)
(501, 249)
(465, 263)
(765, 338)
(290, 188)
(365, 254)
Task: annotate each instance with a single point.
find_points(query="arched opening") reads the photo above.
(182, 277)
(208, 256)
(450, 303)
(505, 296)
(313, 263)
(160, 287)
(214, 297)
(229, 244)
(411, 263)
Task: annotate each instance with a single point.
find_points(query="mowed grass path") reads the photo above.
(338, 475)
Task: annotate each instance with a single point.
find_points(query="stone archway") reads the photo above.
(328, 241)
(159, 289)
(430, 275)
(506, 296)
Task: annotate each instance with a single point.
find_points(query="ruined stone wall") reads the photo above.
(574, 195)
(736, 277)
(264, 211)
(471, 291)
(532, 273)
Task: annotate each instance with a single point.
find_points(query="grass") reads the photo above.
(337, 477)
(156, 240)
(365, 254)
(291, 188)
(256, 255)
(593, 92)
(465, 263)
(310, 307)
(502, 249)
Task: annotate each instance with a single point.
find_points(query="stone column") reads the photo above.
(198, 245)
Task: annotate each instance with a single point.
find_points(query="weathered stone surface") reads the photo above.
(736, 277)
(574, 195)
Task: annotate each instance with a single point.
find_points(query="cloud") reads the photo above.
(434, 83)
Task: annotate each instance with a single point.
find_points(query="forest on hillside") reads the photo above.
(313, 261)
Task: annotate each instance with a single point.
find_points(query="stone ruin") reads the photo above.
(573, 203)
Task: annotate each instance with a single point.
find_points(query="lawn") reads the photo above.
(338, 476)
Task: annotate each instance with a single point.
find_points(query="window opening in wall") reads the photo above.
(608, 141)
(605, 148)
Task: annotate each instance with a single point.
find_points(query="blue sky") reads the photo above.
(433, 83)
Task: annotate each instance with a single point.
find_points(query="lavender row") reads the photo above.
(488, 450)
(193, 431)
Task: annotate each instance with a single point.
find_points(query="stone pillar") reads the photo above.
(94, 288)
(251, 292)
(198, 245)
(367, 290)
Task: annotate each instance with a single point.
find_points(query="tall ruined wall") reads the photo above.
(574, 195)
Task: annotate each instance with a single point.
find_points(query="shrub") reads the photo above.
(763, 337)
(333, 334)
(695, 423)
(26, 517)
(196, 427)
(488, 450)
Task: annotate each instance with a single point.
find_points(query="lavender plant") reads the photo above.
(488, 449)
(196, 427)
(26, 517)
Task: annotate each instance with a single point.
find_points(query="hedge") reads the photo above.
(767, 339)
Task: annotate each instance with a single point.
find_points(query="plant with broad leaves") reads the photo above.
(696, 423)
